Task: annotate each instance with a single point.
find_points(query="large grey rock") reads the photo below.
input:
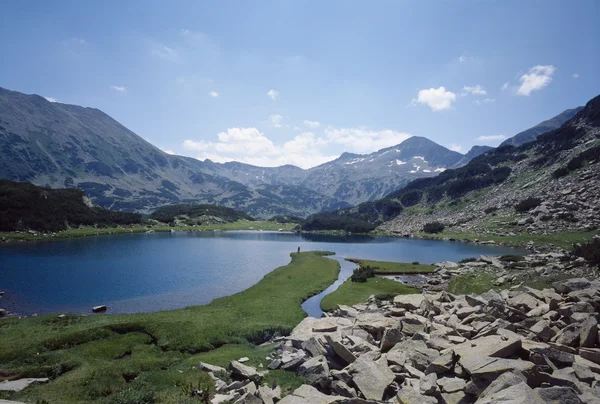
(248, 398)
(20, 384)
(451, 384)
(243, 371)
(417, 353)
(473, 352)
(314, 347)
(410, 396)
(518, 394)
(409, 302)
(316, 371)
(588, 332)
(428, 384)
(372, 378)
(268, 394)
(391, 337)
(207, 367)
(556, 394)
(341, 350)
(306, 394)
(569, 285)
(524, 301)
(568, 336)
(503, 381)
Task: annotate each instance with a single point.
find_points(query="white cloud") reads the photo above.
(249, 145)
(474, 90)
(273, 94)
(51, 99)
(464, 58)
(504, 86)
(274, 121)
(164, 52)
(491, 138)
(361, 140)
(537, 78)
(120, 89)
(436, 98)
(485, 101)
(312, 124)
(575, 75)
(305, 150)
(455, 147)
(213, 94)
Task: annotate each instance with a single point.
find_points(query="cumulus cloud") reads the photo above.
(436, 98)
(455, 147)
(51, 99)
(485, 101)
(120, 89)
(491, 138)
(213, 94)
(249, 145)
(504, 86)
(305, 150)
(164, 52)
(273, 94)
(362, 140)
(537, 78)
(474, 90)
(312, 124)
(274, 121)
(575, 75)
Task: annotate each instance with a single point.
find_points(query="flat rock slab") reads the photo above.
(372, 378)
(474, 353)
(20, 384)
(518, 394)
(306, 394)
(409, 302)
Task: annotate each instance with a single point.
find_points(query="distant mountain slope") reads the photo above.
(353, 178)
(59, 145)
(546, 169)
(542, 127)
(475, 151)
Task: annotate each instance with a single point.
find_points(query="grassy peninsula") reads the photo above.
(148, 357)
(350, 293)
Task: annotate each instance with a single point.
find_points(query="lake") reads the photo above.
(160, 271)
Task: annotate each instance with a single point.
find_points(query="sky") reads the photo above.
(300, 82)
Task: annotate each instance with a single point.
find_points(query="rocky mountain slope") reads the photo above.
(58, 145)
(556, 178)
(542, 127)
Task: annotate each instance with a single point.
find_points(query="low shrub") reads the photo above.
(527, 204)
(361, 274)
(589, 251)
(470, 259)
(433, 227)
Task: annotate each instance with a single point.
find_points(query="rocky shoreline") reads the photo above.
(518, 345)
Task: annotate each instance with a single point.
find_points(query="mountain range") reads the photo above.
(59, 145)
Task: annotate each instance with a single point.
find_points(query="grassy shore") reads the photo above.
(118, 358)
(350, 293)
(93, 231)
(394, 268)
(561, 239)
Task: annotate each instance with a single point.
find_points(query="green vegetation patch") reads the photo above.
(114, 358)
(167, 214)
(394, 268)
(350, 293)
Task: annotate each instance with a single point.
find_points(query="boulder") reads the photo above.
(244, 372)
(409, 302)
(556, 394)
(451, 384)
(316, 371)
(518, 394)
(307, 394)
(372, 378)
(210, 368)
(408, 395)
(391, 337)
(20, 384)
(569, 285)
(428, 384)
(588, 332)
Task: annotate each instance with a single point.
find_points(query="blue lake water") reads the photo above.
(159, 271)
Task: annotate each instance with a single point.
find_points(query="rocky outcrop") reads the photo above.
(513, 346)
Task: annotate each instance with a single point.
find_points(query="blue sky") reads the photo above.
(300, 82)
